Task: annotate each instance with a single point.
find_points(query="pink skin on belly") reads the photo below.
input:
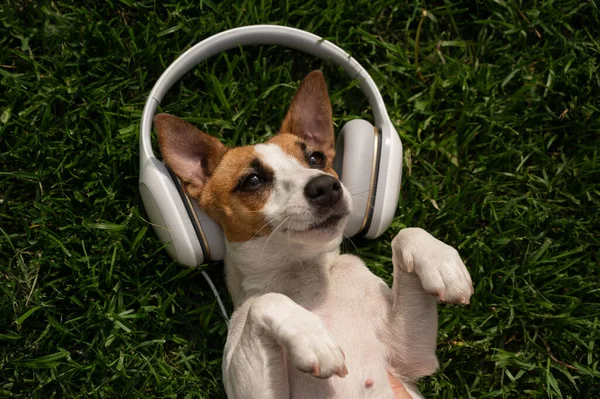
(397, 388)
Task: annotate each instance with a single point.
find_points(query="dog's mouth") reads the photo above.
(328, 224)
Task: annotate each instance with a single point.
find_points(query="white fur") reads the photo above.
(303, 309)
(287, 203)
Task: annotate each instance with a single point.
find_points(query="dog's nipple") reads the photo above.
(369, 382)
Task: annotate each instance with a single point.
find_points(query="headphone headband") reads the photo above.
(258, 35)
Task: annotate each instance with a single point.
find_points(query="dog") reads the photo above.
(310, 322)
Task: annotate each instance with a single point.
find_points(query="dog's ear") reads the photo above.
(191, 154)
(309, 116)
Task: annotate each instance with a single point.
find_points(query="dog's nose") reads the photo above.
(324, 190)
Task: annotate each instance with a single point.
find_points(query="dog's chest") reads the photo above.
(353, 305)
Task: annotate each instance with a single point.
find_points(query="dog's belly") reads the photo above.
(354, 311)
(366, 378)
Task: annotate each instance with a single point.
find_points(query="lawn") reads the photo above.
(498, 107)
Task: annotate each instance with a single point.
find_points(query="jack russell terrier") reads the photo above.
(310, 322)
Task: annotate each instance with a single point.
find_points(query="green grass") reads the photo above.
(500, 122)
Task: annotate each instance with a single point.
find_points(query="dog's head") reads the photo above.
(284, 187)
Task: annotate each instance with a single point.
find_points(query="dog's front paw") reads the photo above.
(310, 346)
(439, 266)
(444, 275)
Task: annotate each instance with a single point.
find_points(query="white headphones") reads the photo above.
(368, 158)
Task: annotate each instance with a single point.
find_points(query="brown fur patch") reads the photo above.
(239, 213)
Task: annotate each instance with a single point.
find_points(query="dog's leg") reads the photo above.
(425, 270)
(267, 334)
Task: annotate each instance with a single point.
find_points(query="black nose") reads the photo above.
(324, 190)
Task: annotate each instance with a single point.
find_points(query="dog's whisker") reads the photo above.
(349, 188)
(253, 236)
(288, 239)
(362, 192)
(268, 238)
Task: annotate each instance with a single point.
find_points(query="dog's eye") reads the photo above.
(316, 160)
(251, 182)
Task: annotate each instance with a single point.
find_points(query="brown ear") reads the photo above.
(309, 116)
(191, 154)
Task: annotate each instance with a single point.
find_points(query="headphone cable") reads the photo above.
(216, 294)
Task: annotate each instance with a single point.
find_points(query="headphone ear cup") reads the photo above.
(356, 163)
(389, 179)
(209, 231)
(170, 218)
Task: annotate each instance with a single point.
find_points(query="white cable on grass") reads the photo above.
(216, 294)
